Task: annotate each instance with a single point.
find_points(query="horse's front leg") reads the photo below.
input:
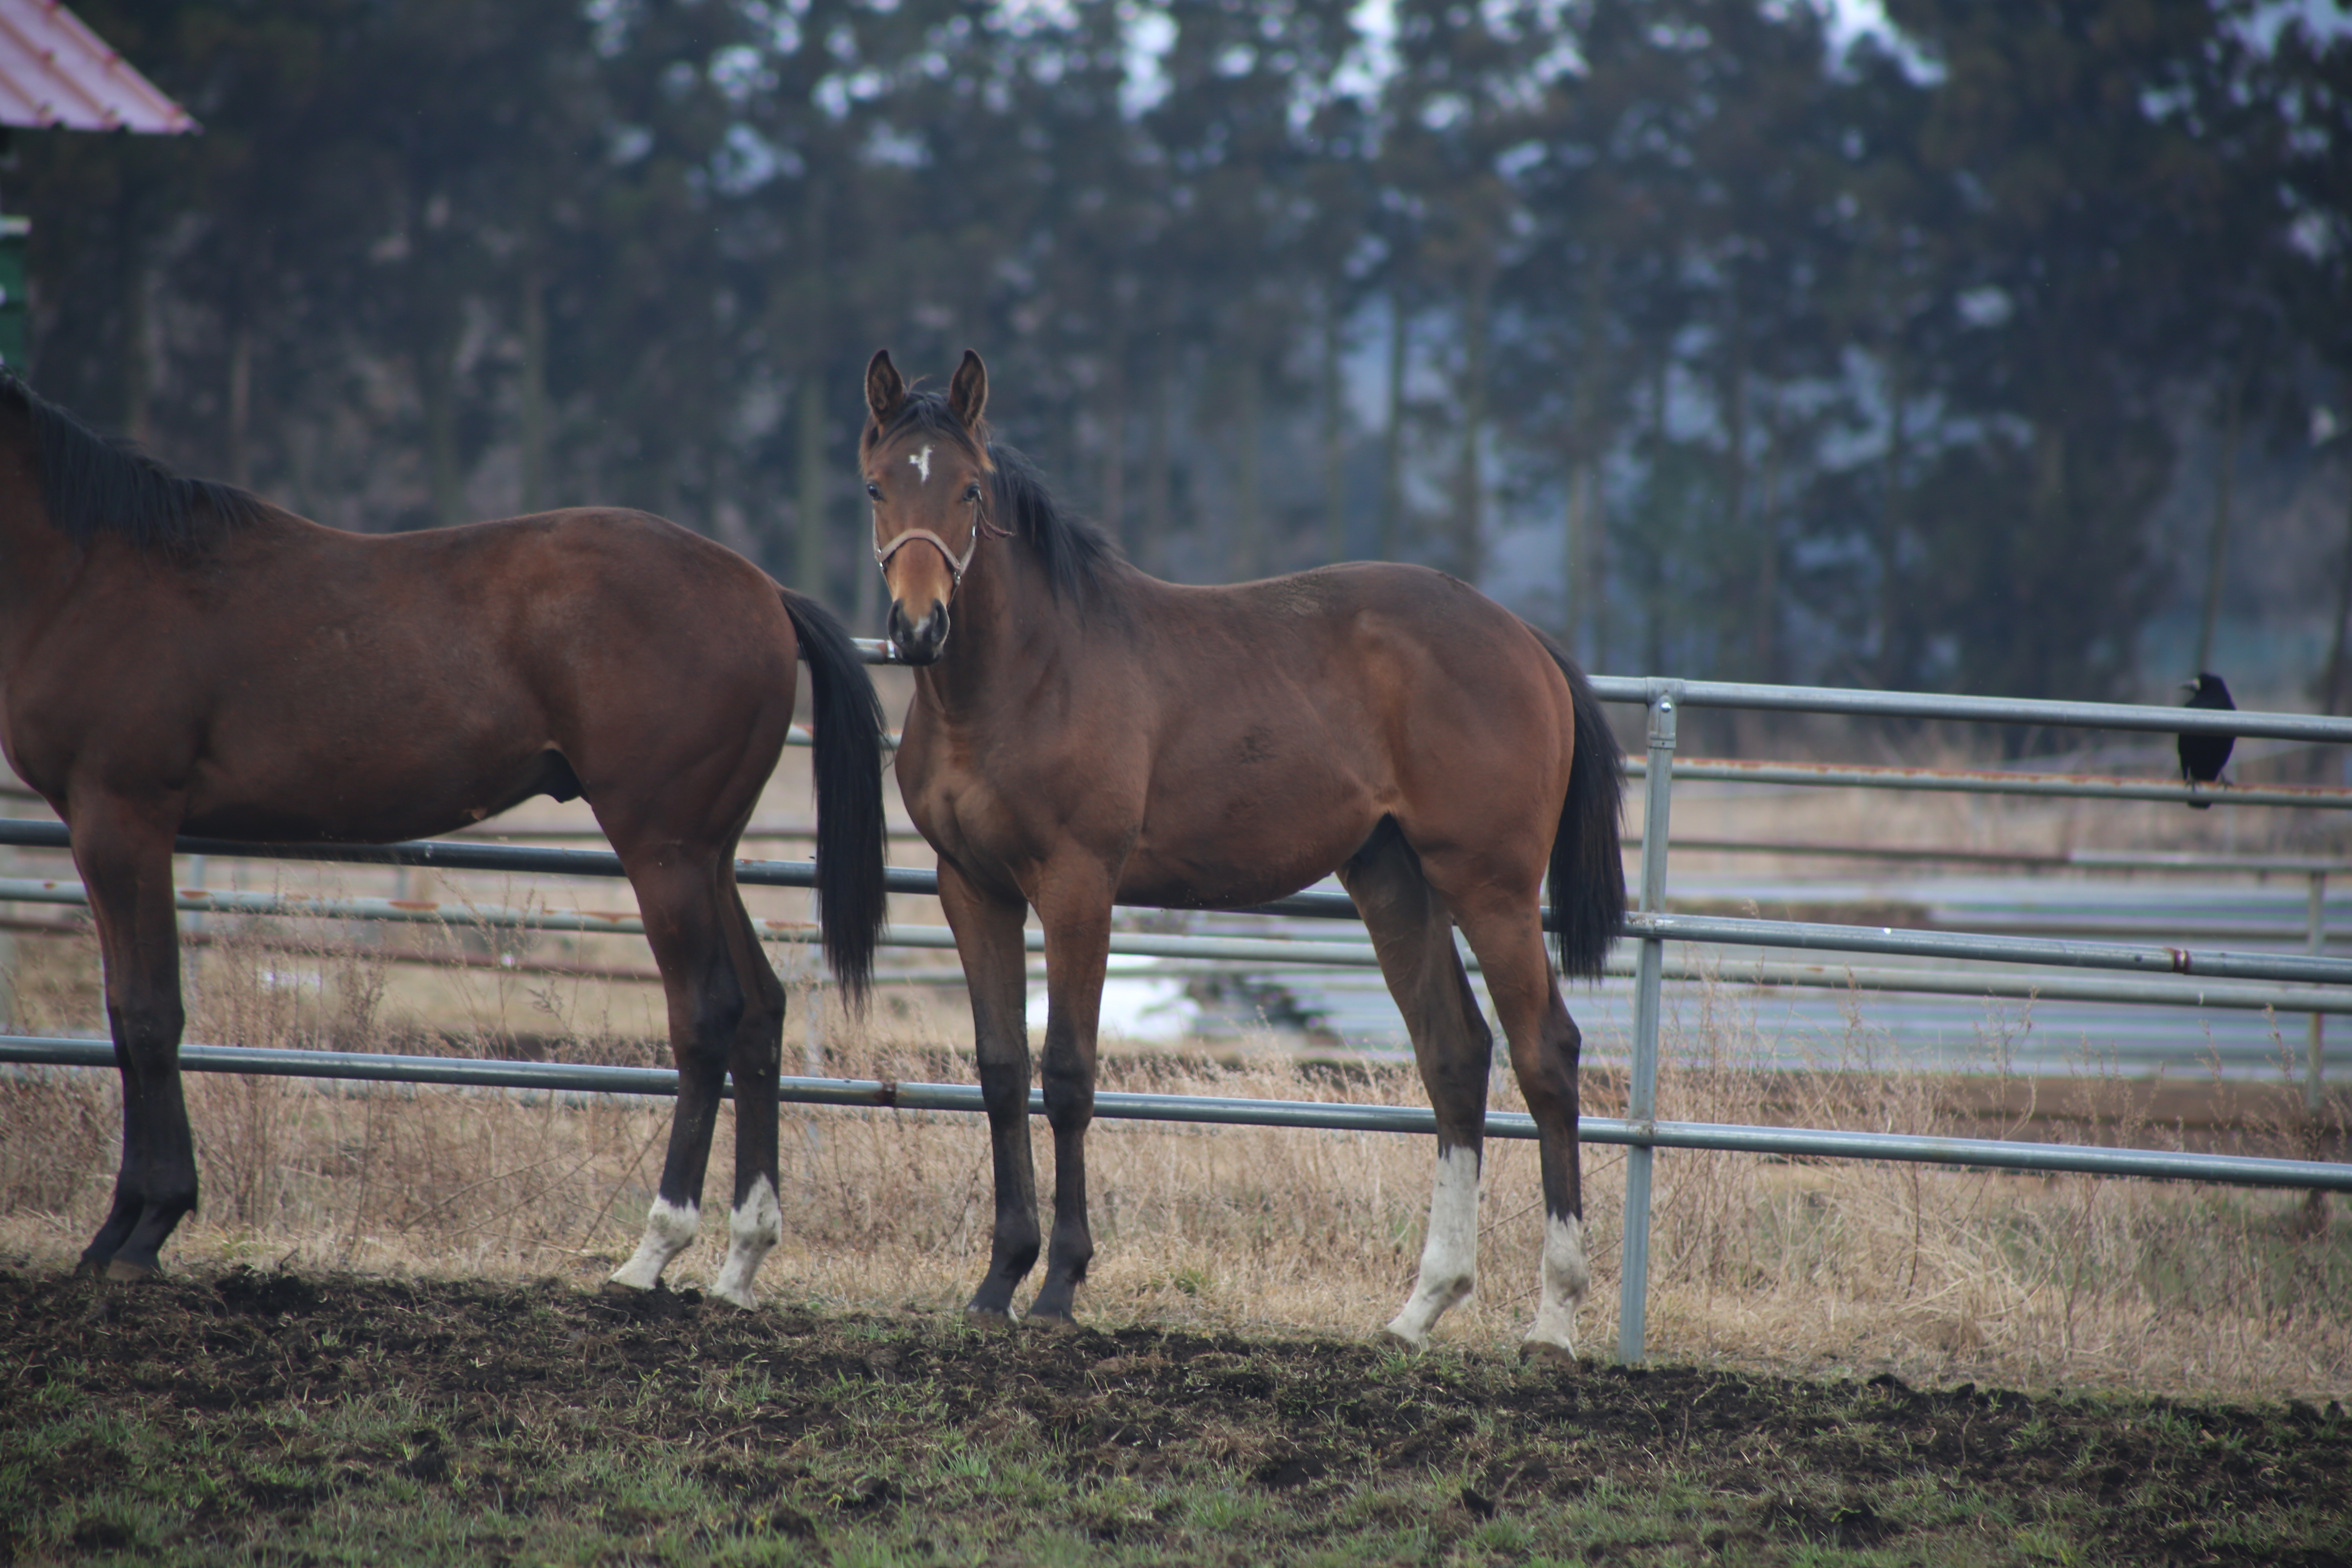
(1077, 943)
(989, 941)
(124, 854)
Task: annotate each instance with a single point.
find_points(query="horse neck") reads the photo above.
(1006, 625)
(36, 559)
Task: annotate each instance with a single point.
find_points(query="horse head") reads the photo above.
(927, 471)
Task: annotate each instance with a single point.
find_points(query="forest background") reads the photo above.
(2001, 346)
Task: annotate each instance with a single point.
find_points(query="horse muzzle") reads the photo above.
(919, 641)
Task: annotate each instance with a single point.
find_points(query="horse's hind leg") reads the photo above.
(1454, 1048)
(125, 860)
(1506, 935)
(679, 893)
(757, 1222)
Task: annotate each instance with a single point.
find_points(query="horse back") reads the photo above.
(304, 681)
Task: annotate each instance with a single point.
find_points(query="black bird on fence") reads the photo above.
(2202, 757)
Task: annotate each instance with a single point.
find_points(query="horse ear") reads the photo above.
(885, 388)
(968, 393)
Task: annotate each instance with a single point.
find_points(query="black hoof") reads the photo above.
(122, 1271)
(1050, 1320)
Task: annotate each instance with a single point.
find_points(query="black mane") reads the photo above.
(91, 485)
(1076, 555)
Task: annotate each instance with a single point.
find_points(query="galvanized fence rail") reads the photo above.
(1982, 1153)
(1640, 1130)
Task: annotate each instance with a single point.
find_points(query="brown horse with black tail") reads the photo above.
(1082, 734)
(181, 656)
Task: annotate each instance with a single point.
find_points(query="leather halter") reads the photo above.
(981, 528)
(956, 563)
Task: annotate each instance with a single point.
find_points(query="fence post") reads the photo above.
(2313, 1084)
(1642, 1101)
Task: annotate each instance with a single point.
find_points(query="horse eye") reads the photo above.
(972, 493)
(875, 490)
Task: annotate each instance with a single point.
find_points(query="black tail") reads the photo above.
(852, 899)
(1588, 863)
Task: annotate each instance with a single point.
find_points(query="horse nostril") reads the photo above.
(919, 641)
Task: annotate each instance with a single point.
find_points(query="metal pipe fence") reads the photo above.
(2309, 970)
(1639, 1136)
(1650, 926)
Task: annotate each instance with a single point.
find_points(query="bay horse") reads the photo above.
(1090, 734)
(178, 655)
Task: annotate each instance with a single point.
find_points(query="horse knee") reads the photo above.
(1545, 1068)
(149, 1025)
(1069, 1092)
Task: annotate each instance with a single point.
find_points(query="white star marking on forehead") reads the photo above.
(922, 463)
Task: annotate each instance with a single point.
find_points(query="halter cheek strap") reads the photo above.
(956, 563)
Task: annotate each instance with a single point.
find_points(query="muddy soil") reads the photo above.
(314, 1418)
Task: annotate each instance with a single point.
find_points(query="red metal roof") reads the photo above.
(54, 71)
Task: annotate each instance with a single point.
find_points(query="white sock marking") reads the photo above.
(1564, 1279)
(1449, 1258)
(669, 1230)
(754, 1232)
(921, 462)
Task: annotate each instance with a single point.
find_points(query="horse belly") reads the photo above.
(288, 790)
(1269, 851)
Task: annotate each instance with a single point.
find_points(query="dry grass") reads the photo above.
(1795, 1266)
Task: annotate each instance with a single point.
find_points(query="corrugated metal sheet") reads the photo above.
(55, 72)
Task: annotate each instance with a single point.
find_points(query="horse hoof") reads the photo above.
(620, 1291)
(1391, 1340)
(987, 1317)
(1052, 1322)
(119, 1272)
(1545, 1353)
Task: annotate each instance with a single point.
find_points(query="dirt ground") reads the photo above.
(278, 1417)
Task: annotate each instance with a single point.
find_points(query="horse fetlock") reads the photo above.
(754, 1231)
(669, 1230)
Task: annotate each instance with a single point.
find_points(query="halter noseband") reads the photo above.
(956, 563)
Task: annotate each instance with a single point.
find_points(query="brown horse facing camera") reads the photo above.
(1082, 734)
(178, 655)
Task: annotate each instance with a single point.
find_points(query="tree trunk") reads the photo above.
(1392, 447)
(1157, 483)
(2332, 690)
(808, 518)
(1654, 561)
(1579, 563)
(2217, 556)
(1765, 649)
(1114, 438)
(1335, 436)
(1735, 421)
(436, 390)
(1890, 517)
(533, 391)
(240, 403)
(808, 462)
(138, 352)
(1245, 557)
(1470, 500)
